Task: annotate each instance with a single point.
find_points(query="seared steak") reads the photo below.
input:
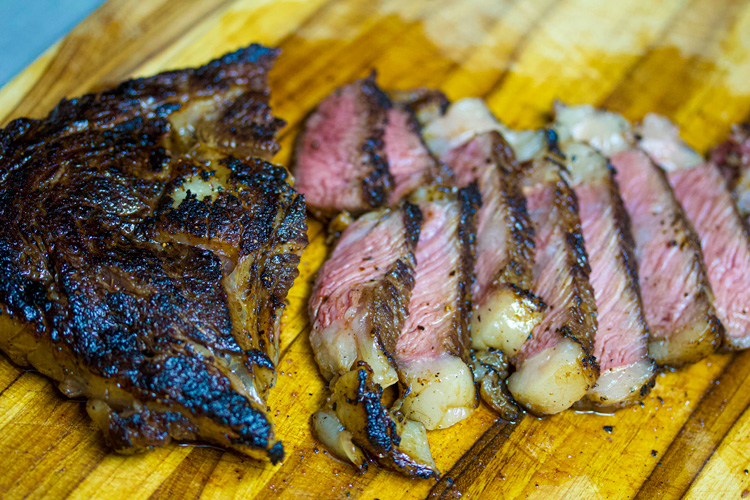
(621, 343)
(556, 366)
(677, 297)
(733, 159)
(703, 193)
(340, 161)
(505, 312)
(431, 353)
(358, 308)
(410, 162)
(146, 255)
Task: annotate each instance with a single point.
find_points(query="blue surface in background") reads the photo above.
(29, 27)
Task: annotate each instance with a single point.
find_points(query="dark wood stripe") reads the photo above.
(690, 70)
(18, 376)
(190, 477)
(471, 465)
(638, 63)
(517, 51)
(705, 428)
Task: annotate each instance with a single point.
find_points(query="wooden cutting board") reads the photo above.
(687, 59)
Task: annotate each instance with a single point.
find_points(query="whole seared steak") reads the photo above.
(146, 251)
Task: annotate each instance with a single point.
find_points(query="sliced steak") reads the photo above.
(677, 297)
(621, 343)
(505, 312)
(556, 366)
(411, 163)
(359, 307)
(431, 353)
(340, 161)
(146, 256)
(733, 159)
(708, 203)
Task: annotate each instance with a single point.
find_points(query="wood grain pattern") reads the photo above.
(689, 59)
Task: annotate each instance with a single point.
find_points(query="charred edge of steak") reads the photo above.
(470, 200)
(440, 174)
(518, 270)
(426, 104)
(377, 185)
(390, 299)
(412, 223)
(376, 429)
(581, 323)
(247, 67)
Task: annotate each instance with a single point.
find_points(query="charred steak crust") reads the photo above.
(378, 183)
(382, 432)
(581, 324)
(470, 201)
(389, 300)
(517, 272)
(339, 158)
(124, 282)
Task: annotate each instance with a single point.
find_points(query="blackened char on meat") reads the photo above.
(621, 343)
(705, 196)
(677, 296)
(146, 252)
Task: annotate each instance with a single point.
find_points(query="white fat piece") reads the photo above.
(441, 393)
(470, 116)
(551, 380)
(203, 185)
(503, 321)
(584, 163)
(660, 139)
(607, 132)
(331, 432)
(339, 346)
(619, 384)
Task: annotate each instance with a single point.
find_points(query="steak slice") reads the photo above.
(146, 256)
(556, 367)
(708, 203)
(431, 354)
(358, 307)
(621, 343)
(340, 159)
(677, 297)
(411, 163)
(733, 159)
(505, 312)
